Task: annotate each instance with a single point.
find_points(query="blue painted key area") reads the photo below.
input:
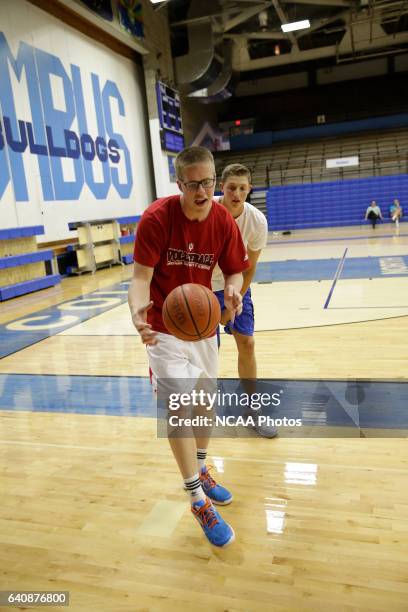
(346, 404)
(325, 269)
(110, 395)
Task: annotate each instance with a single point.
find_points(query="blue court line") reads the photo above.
(336, 277)
(365, 404)
(290, 241)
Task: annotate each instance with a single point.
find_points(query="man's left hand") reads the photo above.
(232, 301)
(225, 316)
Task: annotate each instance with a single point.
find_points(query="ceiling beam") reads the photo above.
(245, 15)
(351, 30)
(376, 48)
(343, 3)
(282, 16)
(200, 18)
(320, 23)
(268, 35)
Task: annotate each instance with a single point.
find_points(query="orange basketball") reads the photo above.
(191, 312)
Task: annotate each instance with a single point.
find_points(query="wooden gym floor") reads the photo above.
(91, 500)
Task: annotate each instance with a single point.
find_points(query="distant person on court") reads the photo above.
(396, 213)
(179, 240)
(235, 186)
(373, 213)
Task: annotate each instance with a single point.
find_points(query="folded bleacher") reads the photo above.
(334, 203)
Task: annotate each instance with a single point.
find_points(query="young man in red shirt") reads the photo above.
(179, 240)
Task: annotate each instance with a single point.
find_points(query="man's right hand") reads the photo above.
(146, 333)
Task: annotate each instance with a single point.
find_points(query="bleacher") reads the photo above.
(381, 153)
(294, 189)
(330, 204)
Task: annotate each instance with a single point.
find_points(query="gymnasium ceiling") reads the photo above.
(342, 31)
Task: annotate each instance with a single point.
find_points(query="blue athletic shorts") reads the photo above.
(244, 323)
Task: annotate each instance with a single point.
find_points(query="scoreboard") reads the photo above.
(171, 142)
(171, 129)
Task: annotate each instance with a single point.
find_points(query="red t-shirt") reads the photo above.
(184, 251)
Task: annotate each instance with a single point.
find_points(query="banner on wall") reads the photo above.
(102, 7)
(59, 132)
(131, 17)
(340, 162)
(74, 144)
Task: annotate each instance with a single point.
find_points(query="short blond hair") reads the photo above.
(235, 170)
(191, 156)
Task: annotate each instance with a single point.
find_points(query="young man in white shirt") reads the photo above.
(236, 185)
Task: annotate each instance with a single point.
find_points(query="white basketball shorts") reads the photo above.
(172, 359)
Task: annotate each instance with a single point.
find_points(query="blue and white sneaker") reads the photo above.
(263, 429)
(218, 494)
(218, 532)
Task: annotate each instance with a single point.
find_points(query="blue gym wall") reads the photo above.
(333, 203)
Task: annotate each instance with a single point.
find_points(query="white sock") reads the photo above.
(194, 488)
(201, 457)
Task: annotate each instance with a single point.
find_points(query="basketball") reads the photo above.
(191, 312)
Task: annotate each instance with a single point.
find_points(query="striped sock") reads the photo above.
(193, 487)
(201, 457)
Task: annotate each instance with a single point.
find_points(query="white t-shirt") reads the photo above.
(254, 231)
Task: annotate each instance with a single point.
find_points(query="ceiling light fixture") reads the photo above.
(263, 20)
(296, 25)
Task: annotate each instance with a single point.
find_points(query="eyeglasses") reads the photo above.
(207, 183)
